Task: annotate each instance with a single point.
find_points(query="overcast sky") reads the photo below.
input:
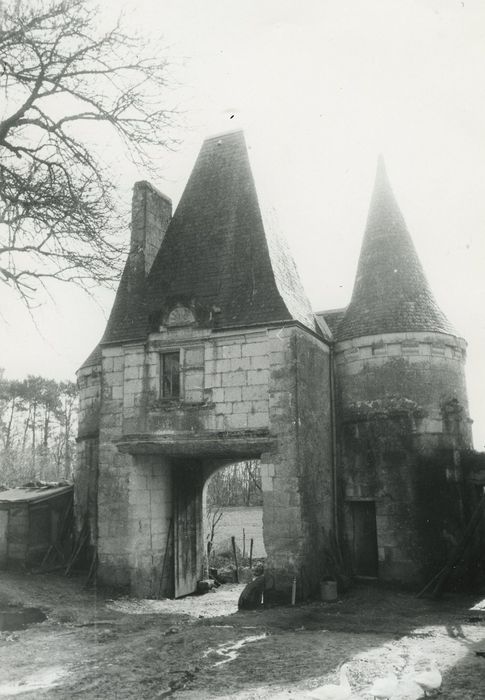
(320, 88)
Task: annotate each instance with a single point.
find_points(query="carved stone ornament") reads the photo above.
(180, 316)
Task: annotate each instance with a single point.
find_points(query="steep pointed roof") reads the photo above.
(391, 293)
(128, 319)
(217, 257)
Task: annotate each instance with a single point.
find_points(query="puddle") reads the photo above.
(230, 652)
(20, 618)
(42, 680)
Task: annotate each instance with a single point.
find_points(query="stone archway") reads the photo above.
(233, 502)
(190, 478)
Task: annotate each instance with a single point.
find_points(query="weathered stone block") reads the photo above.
(216, 395)
(108, 364)
(117, 392)
(113, 351)
(229, 351)
(259, 362)
(193, 379)
(221, 366)
(113, 378)
(194, 356)
(257, 420)
(236, 421)
(259, 407)
(140, 497)
(232, 394)
(153, 371)
(235, 379)
(134, 372)
(253, 349)
(257, 392)
(133, 386)
(128, 401)
(118, 363)
(258, 376)
(242, 363)
(134, 360)
(195, 395)
(277, 357)
(213, 380)
(241, 407)
(268, 469)
(224, 408)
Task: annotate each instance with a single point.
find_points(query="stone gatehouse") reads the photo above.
(212, 354)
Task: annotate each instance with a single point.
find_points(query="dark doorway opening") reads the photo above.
(364, 541)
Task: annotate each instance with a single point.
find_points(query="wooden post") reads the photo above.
(438, 581)
(244, 546)
(165, 557)
(233, 540)
(251, 553)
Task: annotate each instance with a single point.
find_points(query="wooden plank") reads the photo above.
(437, 582)
(188, 481)
(3, 537)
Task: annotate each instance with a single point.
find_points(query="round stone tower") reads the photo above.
(402, 407)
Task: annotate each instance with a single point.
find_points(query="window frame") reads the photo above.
(163, 354)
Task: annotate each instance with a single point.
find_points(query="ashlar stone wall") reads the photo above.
(237, 388)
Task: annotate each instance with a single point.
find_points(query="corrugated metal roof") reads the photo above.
(32, 493)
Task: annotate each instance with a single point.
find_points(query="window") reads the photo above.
(170, 375)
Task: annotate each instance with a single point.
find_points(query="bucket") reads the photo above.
(328, 590)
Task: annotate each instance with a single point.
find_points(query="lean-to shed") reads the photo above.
(32, 519)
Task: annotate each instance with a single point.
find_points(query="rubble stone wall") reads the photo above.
(401, 402)
(86, 470)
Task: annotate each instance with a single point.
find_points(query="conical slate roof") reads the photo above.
(217, 258)
(391, 293)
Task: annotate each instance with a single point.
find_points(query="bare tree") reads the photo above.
(236, 485)
(214, 515)
(61, 81)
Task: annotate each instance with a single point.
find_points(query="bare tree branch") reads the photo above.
(59, 73)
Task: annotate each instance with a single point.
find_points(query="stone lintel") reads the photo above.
(238, 444)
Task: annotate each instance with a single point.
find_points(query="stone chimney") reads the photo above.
(151, 212)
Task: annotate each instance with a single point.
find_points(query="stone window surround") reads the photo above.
(179, 395)
(184, 369)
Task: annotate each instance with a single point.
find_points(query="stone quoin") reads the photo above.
(212, 355)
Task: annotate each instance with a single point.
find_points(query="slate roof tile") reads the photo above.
(218, 257)
(222, 256)
(391, 293)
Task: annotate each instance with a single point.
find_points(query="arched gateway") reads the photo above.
(212, 355)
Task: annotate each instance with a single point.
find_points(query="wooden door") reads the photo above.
(188, 557)
(365, 558)
(3, 537)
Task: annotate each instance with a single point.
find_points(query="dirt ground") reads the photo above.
(91, 646)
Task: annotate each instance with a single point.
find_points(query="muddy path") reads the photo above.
(94, 646)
